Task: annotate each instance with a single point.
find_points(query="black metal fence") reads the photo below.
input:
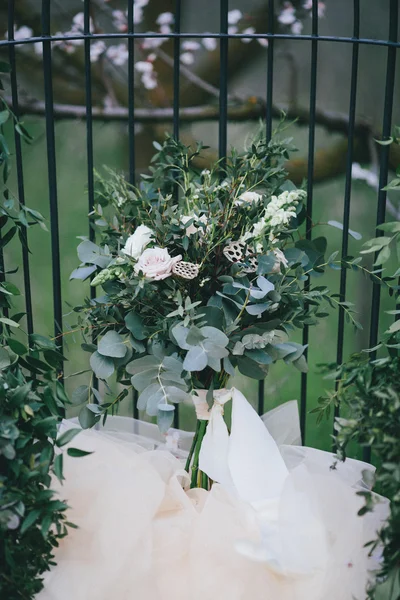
(314, 40)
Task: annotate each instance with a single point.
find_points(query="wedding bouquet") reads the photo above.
(202, 272)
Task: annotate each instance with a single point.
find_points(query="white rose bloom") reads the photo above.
(247, 198)
(136, 242)
(156, 263)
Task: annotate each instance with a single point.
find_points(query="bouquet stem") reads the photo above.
(198, 478)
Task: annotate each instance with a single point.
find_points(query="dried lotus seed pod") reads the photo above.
(234, 251)
(185, 269)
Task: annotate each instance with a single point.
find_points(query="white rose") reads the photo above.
(247, 198)
(156, 263)
(136, 242)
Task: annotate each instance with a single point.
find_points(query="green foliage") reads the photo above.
(369, 393)
(235, 233)
(32, 404)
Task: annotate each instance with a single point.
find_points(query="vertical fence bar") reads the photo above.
(131, 129)
(270, 69)
(223, 83)
(131, 94)
(268, 133)
(176, 106)
(89, 136)
(52, 172)
(383, 171)
(310, 176)
(19, 165)
(347, 191)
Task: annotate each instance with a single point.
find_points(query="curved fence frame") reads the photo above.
(131, 115)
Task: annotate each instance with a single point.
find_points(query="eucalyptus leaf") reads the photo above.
(165, 417)
(102, 366)
(135, 325)
(112, 344)
(195, 359)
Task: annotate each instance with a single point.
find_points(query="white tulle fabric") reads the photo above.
(281, 524)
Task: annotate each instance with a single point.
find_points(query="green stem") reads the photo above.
(195, 465)
(194, 442)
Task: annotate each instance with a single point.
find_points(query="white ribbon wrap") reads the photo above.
(248, 460)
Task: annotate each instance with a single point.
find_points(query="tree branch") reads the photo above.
(251, 109)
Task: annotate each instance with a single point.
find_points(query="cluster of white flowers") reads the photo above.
(371, 178)
(278, 212)
(118, 54)
(288, 16)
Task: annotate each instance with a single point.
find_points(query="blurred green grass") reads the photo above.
(283, 383)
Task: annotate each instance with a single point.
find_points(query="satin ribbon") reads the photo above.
(248, 460)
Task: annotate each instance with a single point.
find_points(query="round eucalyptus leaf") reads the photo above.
(112, 344)
(103, 367)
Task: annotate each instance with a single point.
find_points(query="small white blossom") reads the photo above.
(22, 33)
(249, 30)
(187, 58)
(137, 14)
(209, 44)
(144, 66)
(234, 16)
(165, 29)
(297, 27)
(288, 15)
(149, 81)
(263, 42)
(166, 18)
(120, 20)
(190, 46)
(232, 29)
(151, 42)
(96, 50)
(118, 54)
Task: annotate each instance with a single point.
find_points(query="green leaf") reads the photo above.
(266, 263)
(58, 467)
(383, 256)
(82, 273)
(195, 359)
(394, 327)
(47, 426)
(392, 227)
(80, 395)
(217, 336)
(42, 342)
(67, 436)
(140, 381)
(249, 368)
(88, 252)
(165, 417)
(30, 519)
(112, 345)
(9, 322)
(4, 115)
(87, 418)
(142, 364)
(194, 336)
(135, 325)
(77, 453)
(17, 346)
(4, 359)
(354, 234)
(102, 366)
